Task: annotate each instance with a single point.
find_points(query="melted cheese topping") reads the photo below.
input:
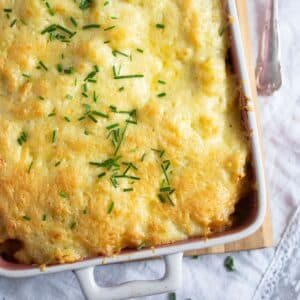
(116, 136)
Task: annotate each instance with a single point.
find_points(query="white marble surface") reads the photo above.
(206, 278)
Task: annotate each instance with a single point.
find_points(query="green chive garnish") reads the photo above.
(50, 10)
(54, 136)
(110, 207)
(101, 175)
(63, 194)
(85, 4)
(72, 225)
(160, 26)
(229, 263)
(89, 26)
(73, 21)
(161, 95)
(141, 246)
(57, 163)
(26, 218)
(13, 23)
(30, 167)
(22, 138)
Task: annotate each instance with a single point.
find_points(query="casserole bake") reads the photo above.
(169, 114)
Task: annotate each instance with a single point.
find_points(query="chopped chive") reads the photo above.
(161, 82)
(85, 87)
(229, 263)
(100, 114)
(129, 76)
(59, 68)
(57, 163)
(143, 157)
(90, 75)
(52, 114)
(105, 3)
(92, 118)
(106, 42)
(115, 52)
(50, 10)
(95, 97)
(26, 218)
(48, 29)
(63, 194)
(13, 23)
(112, 126)
(43, 65)
(91, 26)
(44, 217)
(69, 97)
(72, 225)
(170, 200)
(71, 33)
(22, 138)
(81, 118)
(110, 207)
(160, 26)
(70, 70)
(54, 136)
(121, 140)
(128, 190)
(73, 21)
(26, 75)
(85, 211)
(67, 119)
(7, 10)
(141, 246)
(161, 95)
(41, 98)
(30, 167)
(131, 122)
(85, 95)
(85, 4)
(165, 189)
(109, 28)
(140, 50)
(222, 30)
(113, 18)
(172, 296)
(87, 107)
(101, 175)
(121, 89)
(161, 198)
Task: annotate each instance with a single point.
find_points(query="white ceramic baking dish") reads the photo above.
(172, 253)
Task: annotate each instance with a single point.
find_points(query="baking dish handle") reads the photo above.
(169, 282)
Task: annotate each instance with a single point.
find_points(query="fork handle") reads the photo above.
(268, 70)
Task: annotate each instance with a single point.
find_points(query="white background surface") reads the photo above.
(206, 277)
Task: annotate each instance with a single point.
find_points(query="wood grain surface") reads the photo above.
(263, 237)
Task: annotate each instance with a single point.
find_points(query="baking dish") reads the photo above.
(172, 253)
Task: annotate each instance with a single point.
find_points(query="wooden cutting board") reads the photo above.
(263, 237)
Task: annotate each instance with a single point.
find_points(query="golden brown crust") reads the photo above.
(51, 198)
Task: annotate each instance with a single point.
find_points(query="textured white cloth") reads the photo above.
(206, 277)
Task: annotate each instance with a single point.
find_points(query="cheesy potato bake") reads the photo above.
(120, 126)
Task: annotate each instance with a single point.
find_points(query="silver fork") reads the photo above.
(268, 69)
